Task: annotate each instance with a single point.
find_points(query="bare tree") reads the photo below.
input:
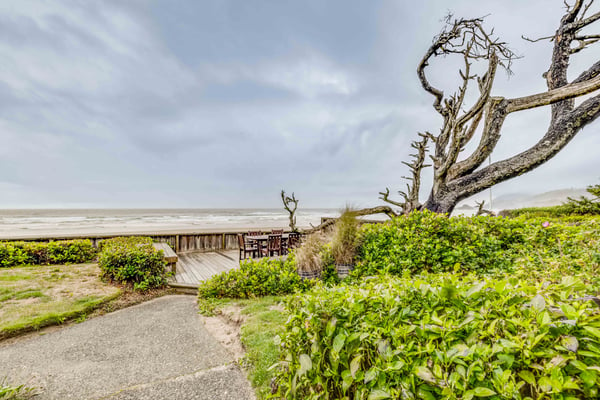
(456, 175)
(290, 204)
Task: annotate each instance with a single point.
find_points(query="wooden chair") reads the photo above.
(254, 233)
(273, 246)
(293, 240)
(277, 231)
(246, 248)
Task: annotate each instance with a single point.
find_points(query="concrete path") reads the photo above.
(156, 350)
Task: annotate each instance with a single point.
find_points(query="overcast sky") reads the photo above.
(184, 103)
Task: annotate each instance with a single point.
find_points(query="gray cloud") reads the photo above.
(223, 103)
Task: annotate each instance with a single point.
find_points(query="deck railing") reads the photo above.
(180, 242)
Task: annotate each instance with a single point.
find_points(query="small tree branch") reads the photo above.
(385, 197)
(551, 37)
(590, 73)
(481, 211)
(357, 213)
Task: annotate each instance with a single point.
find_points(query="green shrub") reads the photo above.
(540, 212)
(37, 253)
(69, 251)
(441, 336)
(426, 241)
(133, 260)
(254, 278)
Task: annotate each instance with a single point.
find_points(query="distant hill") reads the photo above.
(552, 198)
(520, 200)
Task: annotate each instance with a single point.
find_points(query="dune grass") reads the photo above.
(32, 297)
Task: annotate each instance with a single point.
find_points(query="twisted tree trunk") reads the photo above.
(455, 180)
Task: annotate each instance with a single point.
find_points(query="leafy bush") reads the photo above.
(133, 260)
(38, 253)
(256, 278)
(441, 336)
(426, 241)
(539, 212)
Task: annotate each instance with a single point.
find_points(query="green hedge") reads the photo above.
(426, 241)
(563, 210)
(37, 253)
(133, 260)
(254, 278)
(440, 336)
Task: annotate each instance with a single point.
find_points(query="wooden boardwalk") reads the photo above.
(195, 267)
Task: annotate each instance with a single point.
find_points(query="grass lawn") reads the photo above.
(32, 297)
(10, 392)
(263, 319)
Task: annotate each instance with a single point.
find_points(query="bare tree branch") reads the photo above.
(411, 196)
(385, 197)
(481, 211)
(551, 37)
(562, 93)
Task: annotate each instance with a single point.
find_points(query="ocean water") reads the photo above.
(48, 223)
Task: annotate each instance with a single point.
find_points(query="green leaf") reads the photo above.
(538, 303)
(545, 384)
(305, 364)
(425, 394)
(355, 365)
(570, 343)
(544, 318)
(527, 376)
(507, 359)
(425, 374)
(588, 378)
(397, 365)
(370, 375)
(338, 342)
(475, 289)
(483, 392)
(379, 394)
(593, 331)
(347, 380)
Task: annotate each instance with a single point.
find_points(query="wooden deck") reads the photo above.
(195, 267)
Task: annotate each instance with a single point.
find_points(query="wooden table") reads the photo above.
(263, 239)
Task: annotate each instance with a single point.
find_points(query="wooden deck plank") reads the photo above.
(213, 264)
(198, 269)
(202, 267)
(182, 274)
(195, 267)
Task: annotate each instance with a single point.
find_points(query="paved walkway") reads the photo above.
(156, 350)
